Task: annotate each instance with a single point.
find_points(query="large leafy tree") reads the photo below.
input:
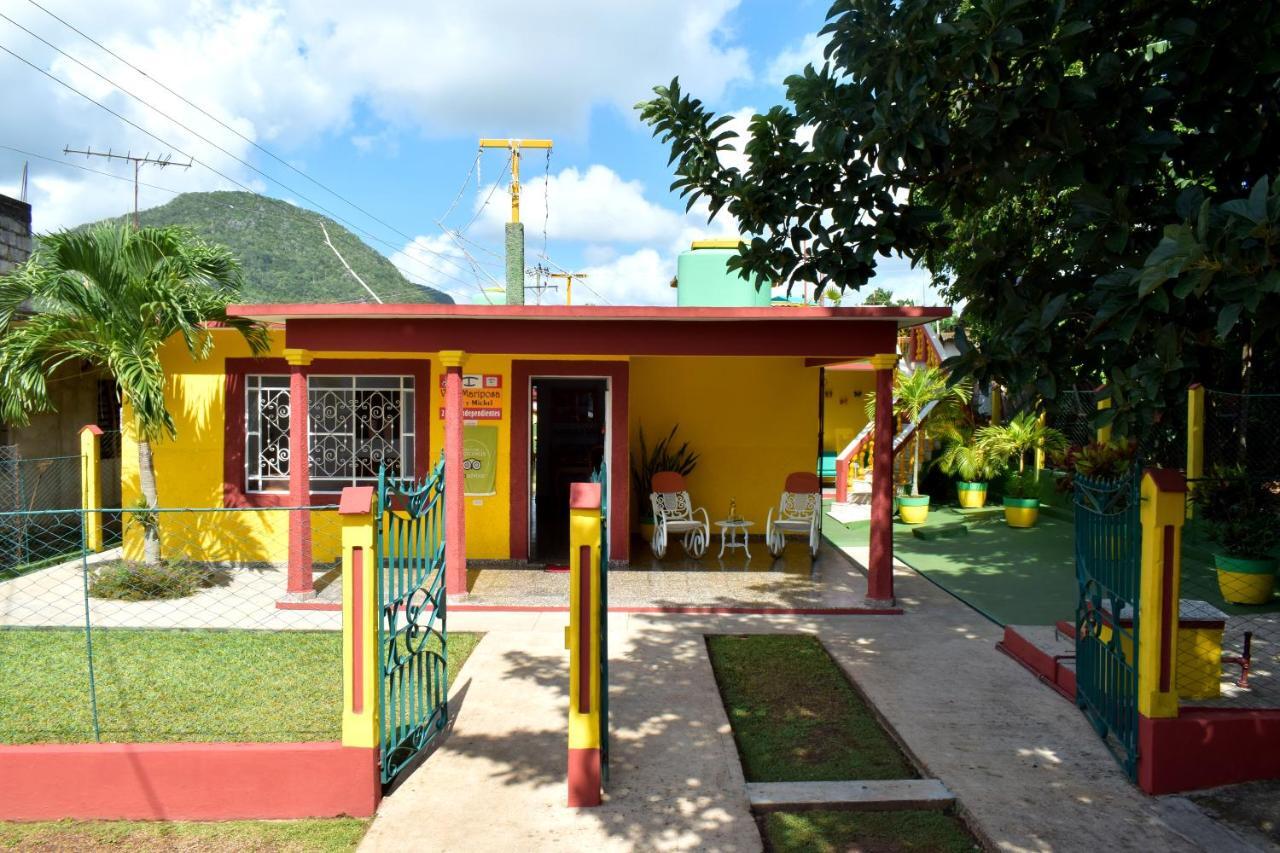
(112, 296)
(1031, 156)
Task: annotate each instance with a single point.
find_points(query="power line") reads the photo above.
(199, 136)
(211, 117)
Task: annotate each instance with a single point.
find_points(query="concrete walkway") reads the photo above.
(1026, 769)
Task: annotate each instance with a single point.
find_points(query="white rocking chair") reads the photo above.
(797, 513)
(673, 514)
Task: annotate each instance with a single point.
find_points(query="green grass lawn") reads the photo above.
(234, 836)
(795, 717)
(882, 832)
(175, 685)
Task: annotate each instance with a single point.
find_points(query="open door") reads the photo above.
(570, 428)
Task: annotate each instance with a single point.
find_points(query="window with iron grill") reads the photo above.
(355, 424)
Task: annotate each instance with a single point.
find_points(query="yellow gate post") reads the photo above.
(1195, 441)
(360, 687)
(1164, 495)
(582, 639)
(91, 485)
(1104, 433)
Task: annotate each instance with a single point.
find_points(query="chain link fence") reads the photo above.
(39, 508)
(1072, 413)
(1242, 430)
(183, 631)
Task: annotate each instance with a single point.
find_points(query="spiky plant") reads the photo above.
(1023, 434)
(913, 392)
(112, 296)
(965, 459)
(663, 456)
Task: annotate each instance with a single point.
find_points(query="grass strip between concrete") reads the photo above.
(796, 718)
(232, 836)
(177, 685)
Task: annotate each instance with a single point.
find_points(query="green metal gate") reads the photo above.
(1108, 534)
(601, 476)
(411, 626)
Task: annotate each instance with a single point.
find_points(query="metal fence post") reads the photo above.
(1195, 441)
(1164, 495)
(91, 486)
(360, 688)
(583, 641)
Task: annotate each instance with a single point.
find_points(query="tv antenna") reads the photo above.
(163, 161)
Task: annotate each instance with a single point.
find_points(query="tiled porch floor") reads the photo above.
(791, 582)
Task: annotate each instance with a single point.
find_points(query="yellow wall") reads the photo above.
(844, 412)
(751, 420)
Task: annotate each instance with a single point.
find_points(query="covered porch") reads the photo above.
(521, 400)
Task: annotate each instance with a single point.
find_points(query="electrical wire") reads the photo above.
(205, 113)
(202, 138)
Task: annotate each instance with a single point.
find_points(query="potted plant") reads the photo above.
(1243, 517)
(1024, 434)
(1022, 499)
(973, 465)
(647, 461)
(925, 398)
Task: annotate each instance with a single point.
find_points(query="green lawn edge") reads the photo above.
(333, 835)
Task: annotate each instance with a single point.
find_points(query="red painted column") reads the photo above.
(455, 507)
(300, 578)
(880, 564)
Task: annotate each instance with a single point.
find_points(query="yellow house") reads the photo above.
(521, 401)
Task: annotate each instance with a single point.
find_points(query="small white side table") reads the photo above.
(729, 536)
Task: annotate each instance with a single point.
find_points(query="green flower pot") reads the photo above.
(1021, 512)
(971, 495)
(913, 509)
(1244, 580)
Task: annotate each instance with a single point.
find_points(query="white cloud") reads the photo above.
(283, 72)
(445, 263)
(640, 278)
(792, 60)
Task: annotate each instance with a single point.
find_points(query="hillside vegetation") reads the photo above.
(283, 252)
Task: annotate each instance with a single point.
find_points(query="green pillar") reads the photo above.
(515, 263)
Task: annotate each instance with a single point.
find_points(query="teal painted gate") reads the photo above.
(411, 625)
(601, 476)
(1108, 535)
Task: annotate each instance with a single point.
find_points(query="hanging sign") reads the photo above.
(481, 397)
(479, 459)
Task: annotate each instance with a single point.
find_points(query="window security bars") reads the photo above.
(355, 425)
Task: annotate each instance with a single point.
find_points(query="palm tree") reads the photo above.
(914, 392)
(1026, 432)
(112, 296)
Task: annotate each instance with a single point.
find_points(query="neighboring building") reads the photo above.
(45, 477)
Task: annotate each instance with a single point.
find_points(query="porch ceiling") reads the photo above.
(594, 330)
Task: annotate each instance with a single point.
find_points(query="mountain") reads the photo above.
(282, 250)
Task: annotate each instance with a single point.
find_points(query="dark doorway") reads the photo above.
(569, 433)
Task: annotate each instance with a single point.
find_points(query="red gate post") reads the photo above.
(582, 638)
(300, 581)
(880, 568)
(455, 506)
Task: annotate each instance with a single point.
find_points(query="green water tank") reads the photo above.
(702, 278)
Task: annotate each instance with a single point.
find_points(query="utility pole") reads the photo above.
(163, 161)
(540, 273)
(515, 228)
(568, 283)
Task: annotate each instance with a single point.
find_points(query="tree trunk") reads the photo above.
(915, 465)
(147, 482)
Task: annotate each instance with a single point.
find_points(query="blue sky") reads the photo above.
(383, 103)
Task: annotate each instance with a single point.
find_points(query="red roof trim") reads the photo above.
(904, 315)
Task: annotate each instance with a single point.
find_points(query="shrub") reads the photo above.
(130, 581)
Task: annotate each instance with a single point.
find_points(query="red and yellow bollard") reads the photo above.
(582, 638)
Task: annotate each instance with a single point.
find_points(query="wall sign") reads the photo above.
(479, 459)
(481, 397)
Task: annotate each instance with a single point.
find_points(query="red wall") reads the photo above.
(1207, 747)
(187, 781)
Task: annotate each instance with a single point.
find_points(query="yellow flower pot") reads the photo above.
(913, 509)
(1021, 512)
(1245, 581)
(971, 495)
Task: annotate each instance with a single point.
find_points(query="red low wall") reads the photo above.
(1040, 662)
(1207, 747)
(187, 781)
